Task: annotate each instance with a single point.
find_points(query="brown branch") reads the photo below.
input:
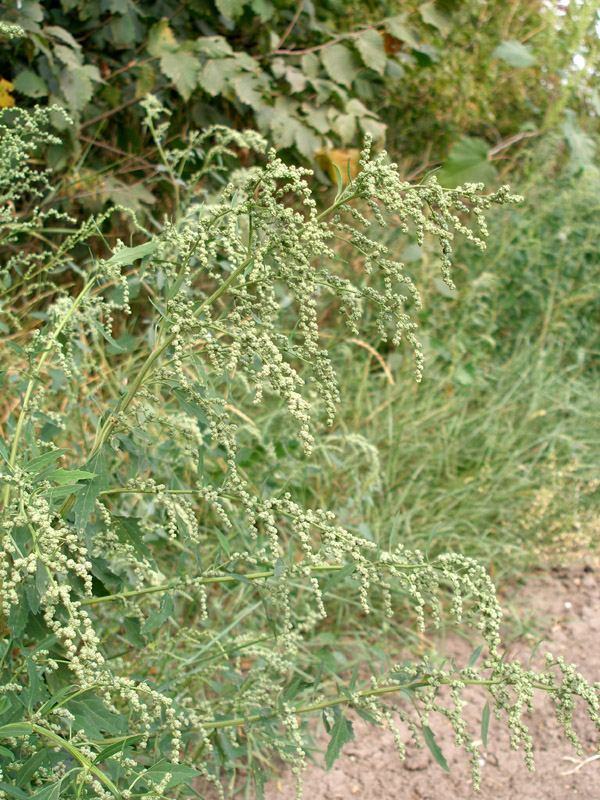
(510, 141)
(109, 113)
(290, 27)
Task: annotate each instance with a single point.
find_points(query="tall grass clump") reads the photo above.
(495, 454)
(164, 594)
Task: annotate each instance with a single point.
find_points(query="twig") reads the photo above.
(110, 112)
(511, 140)
(290, 27)
(580, 764)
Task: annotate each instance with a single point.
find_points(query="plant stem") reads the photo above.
(32, 381)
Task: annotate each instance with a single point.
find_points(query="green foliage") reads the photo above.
(286, 68)
(495, 456)
(165, 593)
(310, 77)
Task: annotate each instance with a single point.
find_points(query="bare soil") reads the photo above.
(563, 608)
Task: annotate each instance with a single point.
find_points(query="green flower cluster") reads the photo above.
(159, 606)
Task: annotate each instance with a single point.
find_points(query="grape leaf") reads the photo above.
(30, 84)
(467, 162)
(183, 69)
(370, 46)
(231, 9)
(431, 15)
(340, 64)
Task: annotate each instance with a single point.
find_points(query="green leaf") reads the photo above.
(396, 27)
(14, 729)
(316, 117)
(32, 10)
(231, 9)
(429, 737)
(6, 753)
(341, 733)
(474, 656)
(467, 162)
(60, 492)
(485, 723)
(223, 542)
(310, 65)
(431, 15)
(345, 126)
(105, 334)
(183, 69)
(160, 616)
(340, 64)
(318, 675)
(264, 9)
(116, 747)
(213, 46)
(515, 54)
(127, 255)
(63, 35)
(370, 46)
(133, 632)
(217, 74)
(30, 767)
(69, 56)
(179, 773)
(307, 141)
(62, 476)
(338, 576)
(12, 791)
(50, 792)
(129, 532)
(582, 147)
(93, 718)
(38, 463)
(30, 84)
(248, 88)
(86, 498)
(77, 85)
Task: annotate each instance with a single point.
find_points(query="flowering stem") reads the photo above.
(19, 729)
(365, 693)
(33, 380)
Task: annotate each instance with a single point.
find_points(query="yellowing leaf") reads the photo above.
(6, 98)
(161, 39)
(346, 162)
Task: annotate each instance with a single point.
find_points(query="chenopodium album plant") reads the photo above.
(163, 598)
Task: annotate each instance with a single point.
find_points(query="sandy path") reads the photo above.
(566, 606)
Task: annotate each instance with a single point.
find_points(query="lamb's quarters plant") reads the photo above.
(164, 600)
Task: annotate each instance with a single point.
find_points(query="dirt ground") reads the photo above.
(564, 608)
